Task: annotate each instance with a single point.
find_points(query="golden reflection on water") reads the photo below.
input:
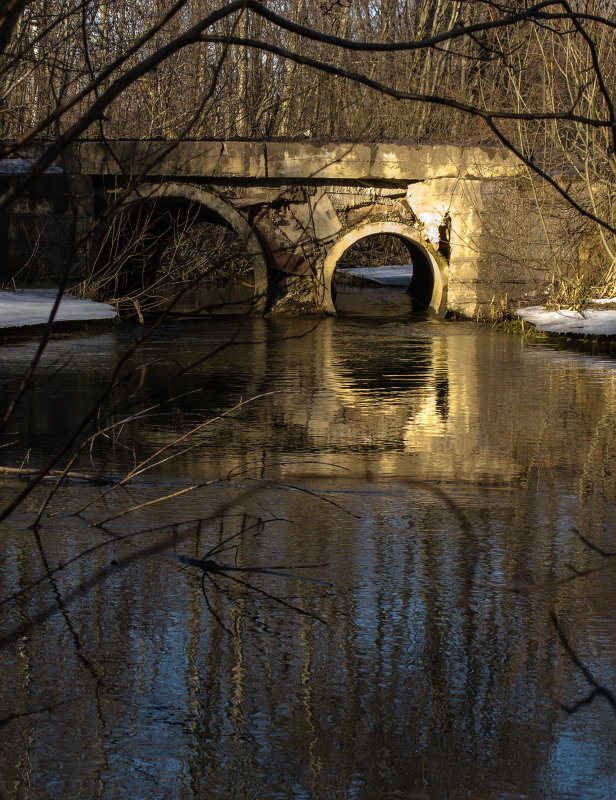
(439, 407)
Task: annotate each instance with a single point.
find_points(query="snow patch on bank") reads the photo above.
(22, 308)
(591, 322)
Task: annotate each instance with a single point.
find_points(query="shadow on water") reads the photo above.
(370, 302)
(434, 471)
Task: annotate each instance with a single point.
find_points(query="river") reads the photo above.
(442, 483)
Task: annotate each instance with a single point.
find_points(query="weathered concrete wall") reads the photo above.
(305, 230)
(295, 161)
(37, 235)
(304, 198)
(498, 248)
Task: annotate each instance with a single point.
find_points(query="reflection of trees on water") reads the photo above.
(430, 668)
(396, 367)
(72, 372)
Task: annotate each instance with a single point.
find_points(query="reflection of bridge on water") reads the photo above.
(298, 208)
(390, 400)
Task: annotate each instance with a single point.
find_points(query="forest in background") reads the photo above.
(56, 48)
(448, 57)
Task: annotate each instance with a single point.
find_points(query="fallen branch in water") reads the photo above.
(208, 565)
(211, 567)
(54, 474)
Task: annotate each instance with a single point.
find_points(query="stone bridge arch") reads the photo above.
(211, 202)
(430, 277)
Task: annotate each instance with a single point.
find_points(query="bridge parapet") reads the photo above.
(293, 161)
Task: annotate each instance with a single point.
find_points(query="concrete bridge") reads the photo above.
(463, 213)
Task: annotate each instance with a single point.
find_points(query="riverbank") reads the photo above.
(599, 319)
(27, 309)
(31, 308)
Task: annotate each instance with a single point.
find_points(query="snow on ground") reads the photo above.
(18, 309)
(23, 308)
(591, 322)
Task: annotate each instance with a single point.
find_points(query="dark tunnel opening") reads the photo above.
(383, 274)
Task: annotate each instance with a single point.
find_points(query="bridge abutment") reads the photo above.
(497, 247)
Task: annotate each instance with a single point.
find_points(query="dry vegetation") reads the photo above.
(147, 257)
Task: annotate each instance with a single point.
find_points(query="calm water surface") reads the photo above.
(437, 474)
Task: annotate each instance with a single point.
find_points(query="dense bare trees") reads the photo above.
(520, 58)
